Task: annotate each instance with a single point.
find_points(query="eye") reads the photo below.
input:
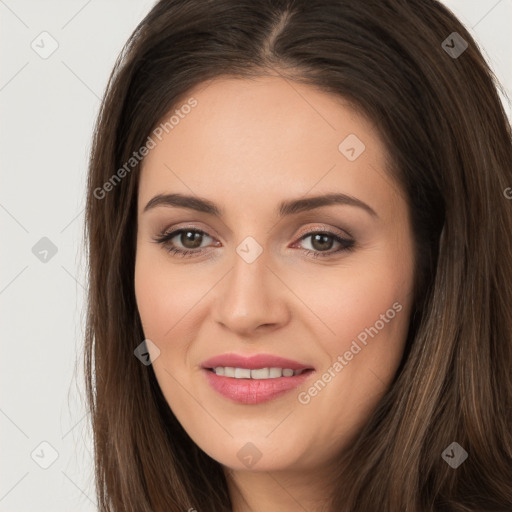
(322, 241)
(189, 238)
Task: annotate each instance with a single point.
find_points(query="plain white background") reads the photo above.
(48, 107)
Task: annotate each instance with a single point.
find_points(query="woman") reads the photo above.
(300, 257)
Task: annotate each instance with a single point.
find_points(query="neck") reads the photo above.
(286, 491)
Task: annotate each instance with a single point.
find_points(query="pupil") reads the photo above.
(325, 241)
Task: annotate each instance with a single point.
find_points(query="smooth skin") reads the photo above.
(247, 146)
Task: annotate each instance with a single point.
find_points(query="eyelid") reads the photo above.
(169, 234)
(177, 229)
(322, 228)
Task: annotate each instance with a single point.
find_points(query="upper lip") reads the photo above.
(254, 362)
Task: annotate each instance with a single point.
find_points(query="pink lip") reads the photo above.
(254, 362)
(253, 391)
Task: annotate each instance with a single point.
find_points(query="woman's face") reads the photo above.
(275, 270)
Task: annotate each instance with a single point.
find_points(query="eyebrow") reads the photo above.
(285, 208)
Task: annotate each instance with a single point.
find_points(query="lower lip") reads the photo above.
(254, 391)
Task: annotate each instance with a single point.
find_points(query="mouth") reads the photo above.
(254, 380)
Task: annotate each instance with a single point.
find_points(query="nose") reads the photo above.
(251, 298)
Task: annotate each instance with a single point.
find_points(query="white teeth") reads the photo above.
(242, 373)
(276, 372)
(262, 373)
(258, 374)
(229, 371)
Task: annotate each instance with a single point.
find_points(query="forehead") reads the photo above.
(263, 138)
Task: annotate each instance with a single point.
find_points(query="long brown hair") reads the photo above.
(436, 106)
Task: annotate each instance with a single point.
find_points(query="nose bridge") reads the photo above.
(249, 296)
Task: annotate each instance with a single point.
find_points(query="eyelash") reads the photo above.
(164, 238)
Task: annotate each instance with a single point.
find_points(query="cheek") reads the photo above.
(361, 322)
(356, 313)
(347, 302)
(170, 300)
(161, 295)
(362, 336)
